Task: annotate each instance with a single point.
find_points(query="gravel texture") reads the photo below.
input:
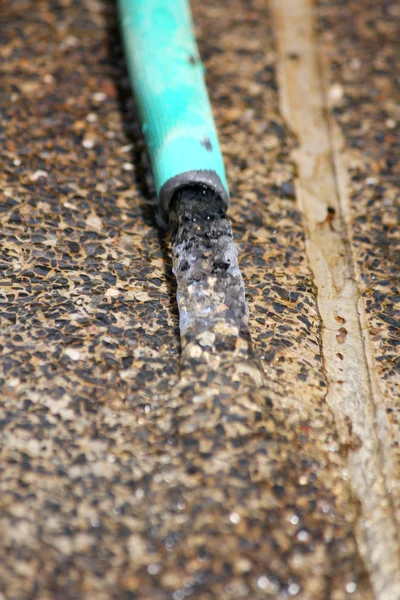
(364, 93)
(130, 470)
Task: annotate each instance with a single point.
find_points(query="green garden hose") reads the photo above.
(167, 78)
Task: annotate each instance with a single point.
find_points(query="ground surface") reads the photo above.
(271, 471)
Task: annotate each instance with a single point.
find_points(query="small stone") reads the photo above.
(94, 222)
(126, 148)
(194, 351)
(207, 338)
(303, 535)
(265, 584)
(88, 143)
(336, 92)
(287, 189)
(170, 580)
(243, 565)
(29, 87)
(70, 41)
(355, 63)
(153, 569)
(99, 96)
(72, 353)
(293, 589)
(112, 292)
(37, 174)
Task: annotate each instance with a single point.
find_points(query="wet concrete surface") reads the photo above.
(126, 470)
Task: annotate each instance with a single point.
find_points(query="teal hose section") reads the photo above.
(167, 77)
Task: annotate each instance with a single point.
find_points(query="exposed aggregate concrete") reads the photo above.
(125, 471)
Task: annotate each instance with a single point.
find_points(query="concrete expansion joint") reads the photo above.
(357, 398)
